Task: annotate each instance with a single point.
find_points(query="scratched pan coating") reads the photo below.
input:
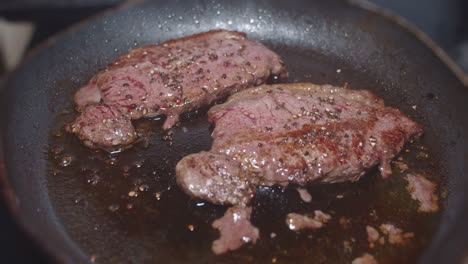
(87, 210)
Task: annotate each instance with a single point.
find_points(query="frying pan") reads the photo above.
(372, 49)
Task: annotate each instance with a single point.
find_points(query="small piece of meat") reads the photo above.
(372, 234)
(305, 195)
(178, 76)
(423, 190)
(401, 166)
(365, 259)
(395, 234)
(321, 216)
(301, 133)
(297, 222)
(235, 229)
(102, 126)
(347, 248)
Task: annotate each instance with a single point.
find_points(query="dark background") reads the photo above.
(445, 21)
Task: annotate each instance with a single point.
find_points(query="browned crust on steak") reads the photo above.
(299, 133)
(177, 76)
(364, 96)
(232, 33)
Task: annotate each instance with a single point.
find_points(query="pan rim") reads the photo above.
(8, 192)
(415, 31)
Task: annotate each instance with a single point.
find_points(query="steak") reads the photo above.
(169, 79)
(301, 133)
(103, 126)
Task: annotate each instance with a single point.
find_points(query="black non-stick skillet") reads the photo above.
(81, 212)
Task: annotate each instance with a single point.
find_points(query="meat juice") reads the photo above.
(127, 207)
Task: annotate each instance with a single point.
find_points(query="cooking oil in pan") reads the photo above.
(127, 207)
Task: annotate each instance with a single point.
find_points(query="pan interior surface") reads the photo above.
(127, 207)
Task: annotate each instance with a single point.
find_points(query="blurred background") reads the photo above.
(26, 23)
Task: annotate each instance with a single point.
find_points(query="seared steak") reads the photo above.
(297, 133)
(102, 126)
(174, 77)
